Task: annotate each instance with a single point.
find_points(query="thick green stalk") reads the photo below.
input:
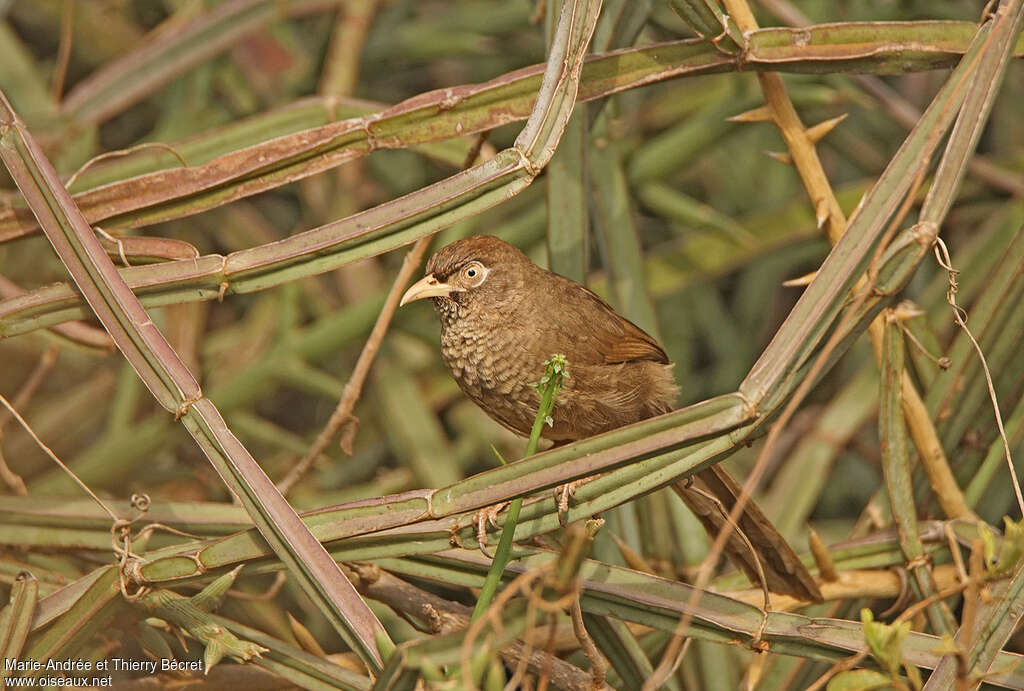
(892, 434)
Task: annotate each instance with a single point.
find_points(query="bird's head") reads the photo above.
(481, 269)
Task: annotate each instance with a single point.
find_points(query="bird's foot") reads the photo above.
(563, 493)
(488, 514)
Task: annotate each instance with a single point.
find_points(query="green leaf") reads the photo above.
(885, 641)
(1011, 549)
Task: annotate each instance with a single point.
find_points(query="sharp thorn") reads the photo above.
(821, 213)
(817, 133)
(800, 281)
(759, 114)
(906, 309)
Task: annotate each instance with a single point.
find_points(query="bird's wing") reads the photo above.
(634, 344)
(614, 338)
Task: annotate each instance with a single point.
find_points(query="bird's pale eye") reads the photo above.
(474, 274)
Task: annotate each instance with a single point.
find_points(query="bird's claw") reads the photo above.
(563, 493)
(488, 514)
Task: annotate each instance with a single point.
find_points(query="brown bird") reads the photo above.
(502, 316)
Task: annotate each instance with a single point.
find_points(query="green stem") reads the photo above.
(550, 384)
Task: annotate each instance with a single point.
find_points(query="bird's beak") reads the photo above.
(426, 287)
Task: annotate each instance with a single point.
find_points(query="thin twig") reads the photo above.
(63, 49)
(342, 414)
(906, 615)
(118, 153)
(754, 479)
(598, 665)
(49, 452)
(828, 213)
(942, 257)
(267, 595)
(14, 482)
(544, 677)
(520, 584)
(942, 362)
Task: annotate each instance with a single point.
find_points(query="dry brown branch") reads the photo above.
(669, 657)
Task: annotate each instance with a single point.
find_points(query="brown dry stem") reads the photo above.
(829, 215)
(670, 656)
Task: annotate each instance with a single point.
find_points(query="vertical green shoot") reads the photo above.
(554, 373)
